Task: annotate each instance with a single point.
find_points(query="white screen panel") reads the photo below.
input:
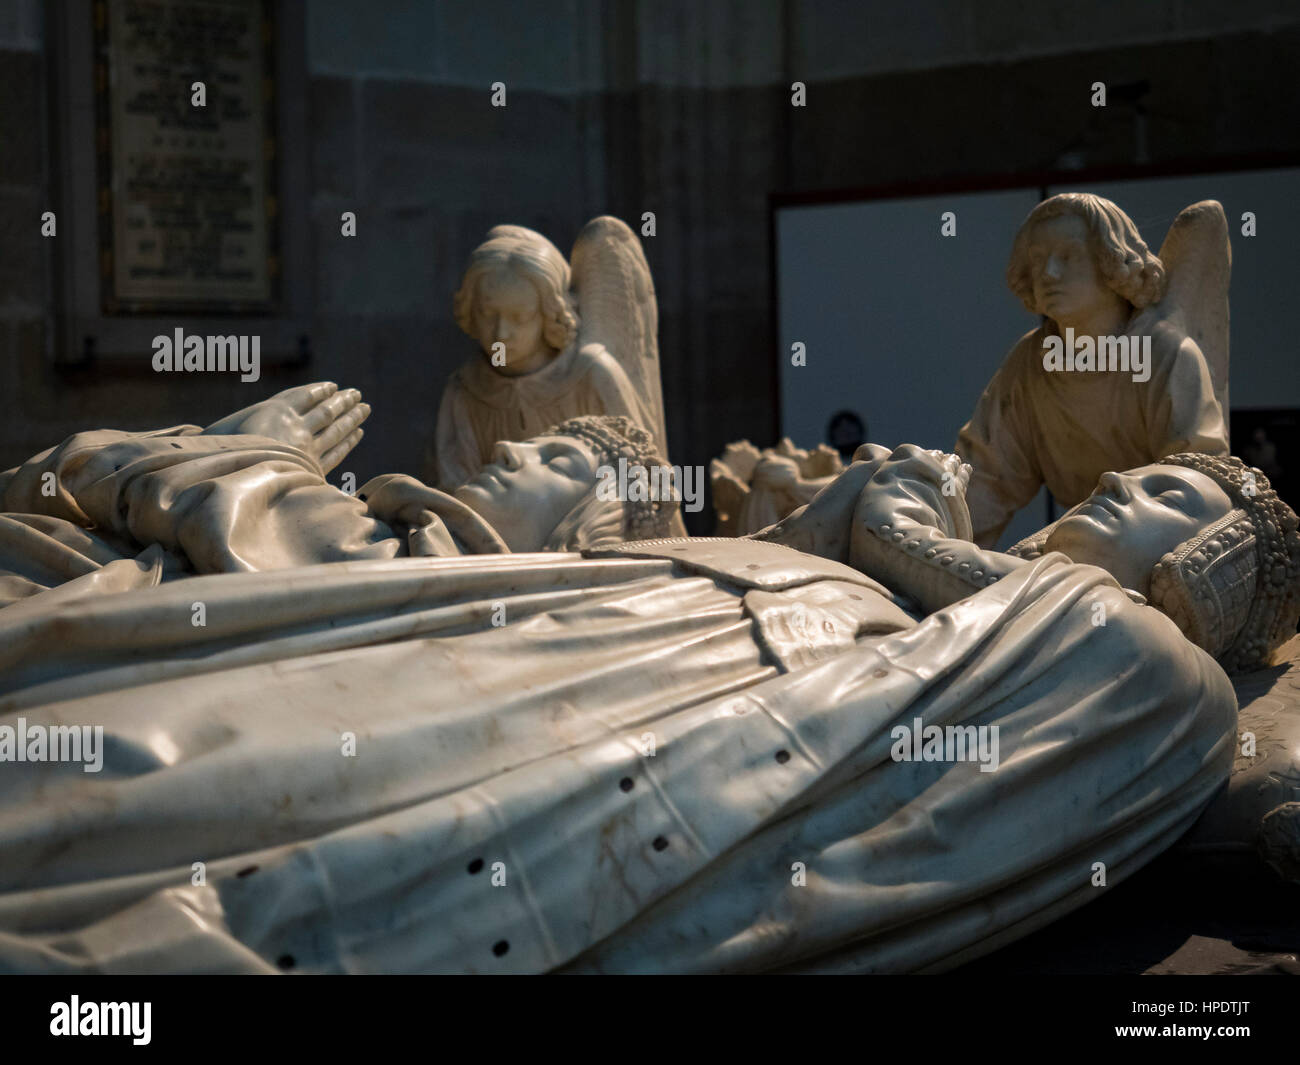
(901, 324)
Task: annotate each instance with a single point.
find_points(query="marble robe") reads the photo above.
(1065, 429)
(672, 757)
(481, 406)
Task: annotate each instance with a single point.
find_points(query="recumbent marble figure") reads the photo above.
(640, 740)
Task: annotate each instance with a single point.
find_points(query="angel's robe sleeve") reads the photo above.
(998, 444)
(456, 444)
(1181, 409)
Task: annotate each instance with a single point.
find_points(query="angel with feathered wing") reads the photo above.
(615, 295)
(556, 342)
(1152, 377)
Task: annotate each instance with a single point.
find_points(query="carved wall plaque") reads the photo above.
(186, 199)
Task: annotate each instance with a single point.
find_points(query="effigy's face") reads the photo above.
(528, 487)
(1067, 281)
(508, 311)
(1134, 518)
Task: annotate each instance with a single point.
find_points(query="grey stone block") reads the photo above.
(20, 118)
(1216, 17)
(435, 144)
(22, 25)
(1026, 27)
(392, 266)
(1249, 86)
(390, 38)
(24, 253)
(531, 46)
(835, 39)
(410, 361)
(335, 137)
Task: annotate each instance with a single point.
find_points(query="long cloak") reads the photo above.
(673, 759)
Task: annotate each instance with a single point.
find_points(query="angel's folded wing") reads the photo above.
(616, 307)
(1197, 257)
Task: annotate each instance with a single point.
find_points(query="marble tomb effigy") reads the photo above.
(399, 742)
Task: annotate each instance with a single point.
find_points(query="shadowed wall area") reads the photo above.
(676, 108)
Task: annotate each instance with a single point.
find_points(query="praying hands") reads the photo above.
(315, 418)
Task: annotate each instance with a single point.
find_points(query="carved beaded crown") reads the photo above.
(615, 436)
(1234, 588)
(1207, 584)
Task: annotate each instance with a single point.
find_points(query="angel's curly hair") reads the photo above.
(537, 259)
(1127, 264)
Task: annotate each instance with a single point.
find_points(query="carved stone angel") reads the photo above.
(557, 342)
(1079, 261)
(752, 489)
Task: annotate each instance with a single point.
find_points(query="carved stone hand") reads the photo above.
(315, 418)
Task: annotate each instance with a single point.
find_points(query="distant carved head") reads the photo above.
(1075, 250)
(542, 494)
(516, 292)
(1206, 539)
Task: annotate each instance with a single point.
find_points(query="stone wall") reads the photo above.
(670, 106)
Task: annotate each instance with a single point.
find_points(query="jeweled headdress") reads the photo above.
(615, 436)
(1234, 588)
